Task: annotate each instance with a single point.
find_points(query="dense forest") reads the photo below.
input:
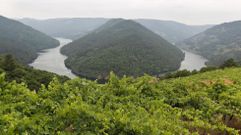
(22, 41)
(204, 103)
(218, 43)
(122, 46)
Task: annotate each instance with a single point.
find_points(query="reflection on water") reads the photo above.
(53, 61)
(192, 61)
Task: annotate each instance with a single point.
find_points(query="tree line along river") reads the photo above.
(53, 61)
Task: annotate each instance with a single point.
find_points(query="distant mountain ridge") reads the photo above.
(122, 46)
(218, 43)
(75, 28)
(22, 41)
(72, 28)
(171, 30)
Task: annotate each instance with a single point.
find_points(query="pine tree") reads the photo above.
(9, 63)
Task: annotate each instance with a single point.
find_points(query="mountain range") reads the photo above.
(172, 31)
(71, 28)
(75, 28)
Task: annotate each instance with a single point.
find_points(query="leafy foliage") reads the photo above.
(122, 46)
(229, 63)
(207, 103)
(22, 41)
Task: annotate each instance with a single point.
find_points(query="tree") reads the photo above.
(229, 63)
(9, 63)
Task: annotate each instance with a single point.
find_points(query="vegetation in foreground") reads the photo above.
(205, 103)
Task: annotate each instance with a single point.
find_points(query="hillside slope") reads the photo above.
(22, 41)
(218, 44)
(122, 46)
(207, 103)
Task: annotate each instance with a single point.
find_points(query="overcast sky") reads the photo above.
(186, 11)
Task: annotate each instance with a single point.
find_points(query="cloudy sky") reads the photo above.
(186, 11)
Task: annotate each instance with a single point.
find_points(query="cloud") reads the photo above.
(187, 11)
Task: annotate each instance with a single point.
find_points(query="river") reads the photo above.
(53, 61)
(192, 61)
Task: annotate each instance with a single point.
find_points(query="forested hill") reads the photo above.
(22, 41)
(122, 46)
(218, 44)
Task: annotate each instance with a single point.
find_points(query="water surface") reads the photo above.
(53, 61)
(192, 61)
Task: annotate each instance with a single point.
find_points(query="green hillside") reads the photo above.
(122, 46)
(218, 44)
(207, 103)
(22, 41)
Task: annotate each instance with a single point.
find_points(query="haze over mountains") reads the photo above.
(217, 44)
(172, 31)
(67, 28)
(22, 41)
(75, 28)
(122, 46)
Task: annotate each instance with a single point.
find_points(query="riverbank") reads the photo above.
(53, 61)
